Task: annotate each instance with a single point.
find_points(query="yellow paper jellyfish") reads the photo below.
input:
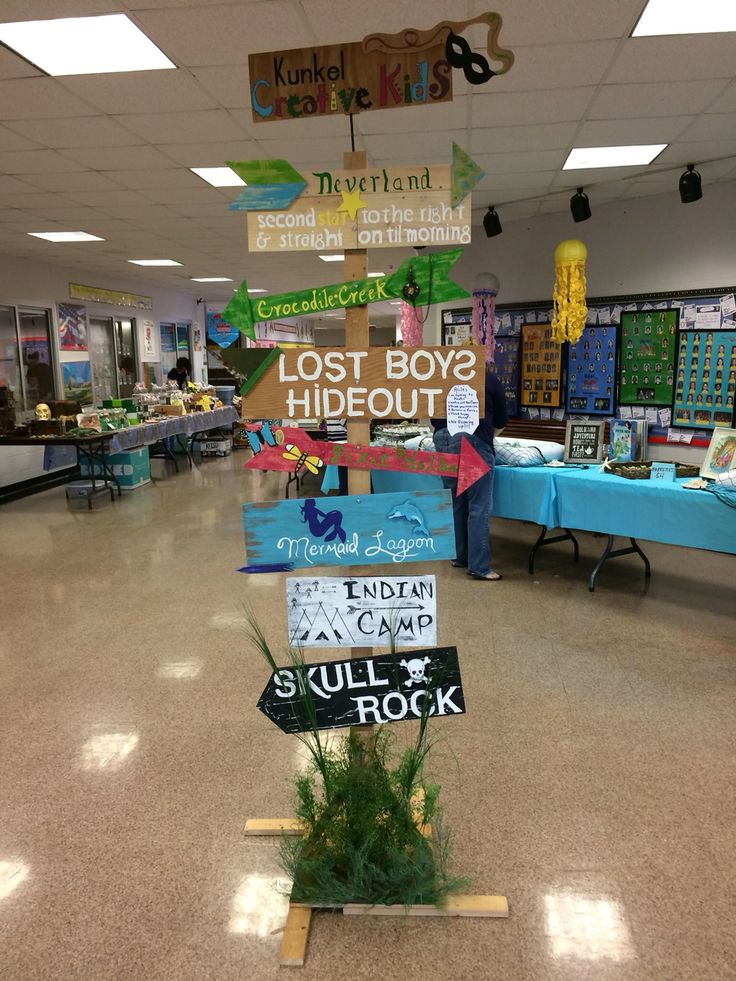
(568, 295)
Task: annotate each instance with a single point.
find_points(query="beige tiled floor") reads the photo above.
(593, 780)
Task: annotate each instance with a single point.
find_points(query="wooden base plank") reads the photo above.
(455, 906)
(296, 936)
(273, 826)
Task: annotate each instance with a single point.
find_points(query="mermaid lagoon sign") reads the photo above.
(354, 530)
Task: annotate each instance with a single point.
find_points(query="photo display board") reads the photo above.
(456, 325)
(647, 356)
(541, 366)
(705, 386)
(506, 369)
(591, 372)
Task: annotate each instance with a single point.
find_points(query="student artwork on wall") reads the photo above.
(705, 385)
(721, 455)
(77, 377)
(591, 372)
(541, 366)
(72, 327)
(647, 356)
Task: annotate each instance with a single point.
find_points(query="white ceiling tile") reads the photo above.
(335, 22)
(560, 21)
(10, 140)
(100, 199)
(519, 163)
(17, 10)
(12, 185)
(118, 158)
(85, 180)
(13, 66)
(522, 181)
(555, 66)
(38, 98)
(623, 132)
(77, 131)
(513, 138)
(192, 195)
(726, 101)
(712, 126)
(693, 152)
(35, 162)
(329, 150)
(141, 92)
(212, 154)
(654, 99)
(528, 108)
(227, 84)
(675, 58)
(35, 201)
(487, 193)
(143, 179)
(594, 175)
(190, 36)
(169, 127)
(426, 146)
(431, 118)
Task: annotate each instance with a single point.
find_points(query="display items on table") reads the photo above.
(379, 611)
(378, 383)
(660, 470)
(705, 385)
(720, 457)
(628, 440)
(352, 530)
(568, 296)
(541, 366)
(584, 442)
(647, 356)
(72, 327)
(591, 372)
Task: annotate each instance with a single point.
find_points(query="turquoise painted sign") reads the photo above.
(220, 331)
(356, 530)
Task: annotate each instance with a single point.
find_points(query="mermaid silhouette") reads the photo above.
(320, 523)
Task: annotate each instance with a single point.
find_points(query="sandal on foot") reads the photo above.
(491, 577)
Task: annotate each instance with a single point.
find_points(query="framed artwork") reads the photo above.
(584, 442)
(72, 327)
(705, 382)
(456, 325)
(591, 371)
(541, 367)
(647, 356)
(77, 378)
(506, 369)
(721, 455)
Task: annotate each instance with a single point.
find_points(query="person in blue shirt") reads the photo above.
(472, 508)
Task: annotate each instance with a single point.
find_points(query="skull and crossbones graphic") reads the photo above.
(417, 668)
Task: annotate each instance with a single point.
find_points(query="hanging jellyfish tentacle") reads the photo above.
(568, 295)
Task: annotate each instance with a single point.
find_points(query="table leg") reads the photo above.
(609, 552)
(543, 540)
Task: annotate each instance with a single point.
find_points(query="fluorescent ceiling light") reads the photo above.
(682, 17)
(154, 262)
(67, 236)
(375, 275)
(211, 279)
(332, 258)
(587, 157)
(219, 176)
(256, 290)
(84, 45)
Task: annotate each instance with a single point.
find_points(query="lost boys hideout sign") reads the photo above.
(366, 691)
(384, 71)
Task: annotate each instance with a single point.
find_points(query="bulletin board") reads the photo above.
(706, 379)
(506, 369)
(591, 372)
(456, 325)
(541, 367)
(648, 340)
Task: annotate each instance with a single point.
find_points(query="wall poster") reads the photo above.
(506, 369)
(72, 327)
(591, 372)
(541, 366)
(706, 379)
(647, 356)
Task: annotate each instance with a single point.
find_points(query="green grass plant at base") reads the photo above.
(362, 804)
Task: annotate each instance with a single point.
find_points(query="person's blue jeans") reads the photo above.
(472, 508)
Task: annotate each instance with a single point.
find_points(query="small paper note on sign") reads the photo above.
(463, 415)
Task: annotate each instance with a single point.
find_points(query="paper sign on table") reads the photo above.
(662, 471)
(462, 411)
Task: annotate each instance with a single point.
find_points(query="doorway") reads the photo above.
(103, 359)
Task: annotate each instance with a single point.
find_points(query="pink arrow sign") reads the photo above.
(296, 450)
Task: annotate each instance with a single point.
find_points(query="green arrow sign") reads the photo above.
(422, 281)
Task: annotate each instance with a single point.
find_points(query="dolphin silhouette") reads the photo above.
(409, 512)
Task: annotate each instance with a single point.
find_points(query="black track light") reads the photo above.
(691, 187)
(580, 206)
(492, 223)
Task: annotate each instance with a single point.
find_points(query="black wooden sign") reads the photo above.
(388, 688)
(584, 442)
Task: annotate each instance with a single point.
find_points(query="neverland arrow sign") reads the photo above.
(389, 688)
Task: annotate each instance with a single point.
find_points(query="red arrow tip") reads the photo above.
(471, 466)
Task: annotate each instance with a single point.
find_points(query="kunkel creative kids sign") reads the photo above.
(370, 690)
(290, 450)
(426, 275)
(377, 611)
(353, 530)
(378, 383)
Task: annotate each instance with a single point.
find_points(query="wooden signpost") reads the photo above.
(294, 450)
(376, 610)
(356, 530)
(372, 690)
(374, 383)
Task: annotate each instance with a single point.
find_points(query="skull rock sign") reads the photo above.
(366, 691)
